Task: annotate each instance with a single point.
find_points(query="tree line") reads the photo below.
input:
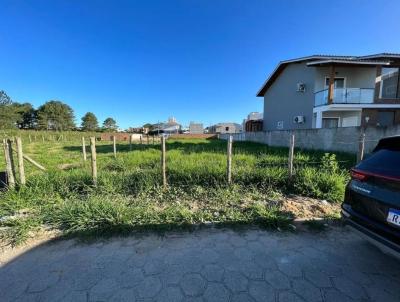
(52, 115)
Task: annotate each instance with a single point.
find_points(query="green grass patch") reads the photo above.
(129, 194)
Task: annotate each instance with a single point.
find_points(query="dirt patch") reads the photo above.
(309, 208)
(8, 252)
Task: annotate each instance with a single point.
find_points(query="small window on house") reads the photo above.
(226, 128)
(338, 82)
(330, 122)
(390, 87)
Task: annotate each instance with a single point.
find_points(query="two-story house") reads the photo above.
(322, 91)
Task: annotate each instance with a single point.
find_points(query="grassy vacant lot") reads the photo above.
(129, 194)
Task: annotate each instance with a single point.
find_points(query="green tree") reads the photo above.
(4, 98)
(55, 115)
(110, 124)
(89, 122)
(8, 116)
(149, 126)
(25, 115)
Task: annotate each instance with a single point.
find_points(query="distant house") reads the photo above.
(221, 128)
(253, 122)
(196, 128)
(138, 130)
(321, 91)
(169, 127)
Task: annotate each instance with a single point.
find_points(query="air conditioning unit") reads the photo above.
(300, 119)
(301, 87)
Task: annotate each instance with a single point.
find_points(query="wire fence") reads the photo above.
(292, 163)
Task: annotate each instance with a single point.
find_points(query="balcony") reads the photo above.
(345, 96)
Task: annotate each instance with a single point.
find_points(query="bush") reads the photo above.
(327, 183)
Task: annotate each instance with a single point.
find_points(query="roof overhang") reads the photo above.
(347, 62)
(281, 66)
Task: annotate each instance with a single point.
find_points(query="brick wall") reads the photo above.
(203, 136)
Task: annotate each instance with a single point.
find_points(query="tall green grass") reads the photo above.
(129, 194)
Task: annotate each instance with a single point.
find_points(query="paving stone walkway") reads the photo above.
(205, 265)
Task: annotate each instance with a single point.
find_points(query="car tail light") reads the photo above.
(358, 175)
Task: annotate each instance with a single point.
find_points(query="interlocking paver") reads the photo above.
(244, 253)
(149, 287)
(43, 282)
(261, 291)
(193, 284)
(170, 294)
(307, 290)
(277, 279)
(317, 277)
(235, 281)
(103, 290)
(124, 295)
(288, 296)
(349, 288)
(216, 292)
(130, 277)
(76, 296)
(333, 295)
(212, 272)
(242, 297)
(250, 270)
(205, 265)
(154, 267)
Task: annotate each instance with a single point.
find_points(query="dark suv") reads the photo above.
(372, 200)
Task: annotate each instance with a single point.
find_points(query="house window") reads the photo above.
(330, 122)
(226, 128)
(337, 83)
(390, 88)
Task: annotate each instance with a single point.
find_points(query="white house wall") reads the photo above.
(356, 77)
(344, 115)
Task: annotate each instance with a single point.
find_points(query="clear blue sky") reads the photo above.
(201, 60)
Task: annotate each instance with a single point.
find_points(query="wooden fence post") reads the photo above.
(291, 155)
(229, 159)
(153, 139)
(94, 160)
(30, 138)
(130, 142)
(163, 162)
(43, 138)
(9, 163)
(114, 146)
(140, 139)
(148, 139)
(83, 148)
(361, 146)
(20, 154)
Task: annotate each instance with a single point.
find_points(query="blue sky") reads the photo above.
(200, 60)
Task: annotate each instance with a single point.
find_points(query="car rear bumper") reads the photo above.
(372, 231)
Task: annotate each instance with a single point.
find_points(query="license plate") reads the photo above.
(393, 217)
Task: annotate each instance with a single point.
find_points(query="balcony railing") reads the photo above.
(345, 96)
